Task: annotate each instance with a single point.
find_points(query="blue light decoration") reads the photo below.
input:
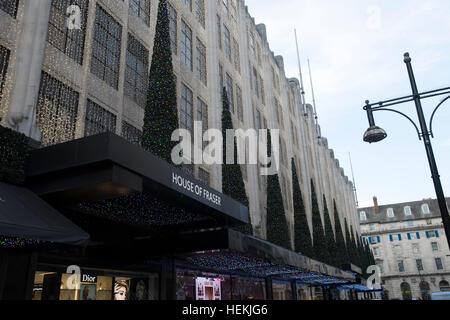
(141, 209)
(19, 243)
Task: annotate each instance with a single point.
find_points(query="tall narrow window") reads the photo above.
(98, 120)
(200, 11)
(188, 4)
(237, 56)
(255, 82)
(69, 41)
(439, 264)
(401, 266)
(202, 115)
(141, 8)
(131, 134)
(362, 216)
(173, 25)
(221, 80)
(261, 87)
(201, 62)
(227, 43)
(419, 264)
(407, 211)
(251, 39)
(390, 213)
(219, 31)
(4, 61)
(203, 176)
(229, 88)
(136, 74)
(186, 108)
(239, 105)
(57, 109)
(105, 62)
(10, 7)
(186, 45)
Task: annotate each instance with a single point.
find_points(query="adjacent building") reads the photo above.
(410, 247)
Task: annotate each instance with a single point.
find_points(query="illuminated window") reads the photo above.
(98, 120)
(57, 109)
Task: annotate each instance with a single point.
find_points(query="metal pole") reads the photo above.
(429, 149)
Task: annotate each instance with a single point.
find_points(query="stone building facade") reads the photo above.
(409, 246)
(61, 83)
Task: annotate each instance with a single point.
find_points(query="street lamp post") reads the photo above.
(376, 134)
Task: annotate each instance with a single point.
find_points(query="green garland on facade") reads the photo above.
(161, 116)
(277, 229)
(348, 242)
(342, 256)
(14, 153)
(329, 236)
(320, 250)
(302, 234)
(232, 180)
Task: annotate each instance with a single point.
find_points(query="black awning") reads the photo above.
(107, 167)
(24, 215)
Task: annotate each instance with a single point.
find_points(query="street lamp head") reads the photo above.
(406, 57)
(374, 134)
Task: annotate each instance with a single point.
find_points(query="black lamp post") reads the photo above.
(376, 134)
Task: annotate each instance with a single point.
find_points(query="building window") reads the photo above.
(237, 56)
(415, 248)
(429, 221)
(188, 4)
(392, 224)
(397, 249)
(410, 223)
(362, 216)
(219, 32)
(70, 42)
(261, 87)
(413, 235)
(105, 63)
(439, 265)
(401, 266)
(200, 11)
(229, 88)
(131, 134)
(434, 246)
(407, 211)
(136, 73)
(376, 251)
(186, 45)
(395, 237)
(98, 120)
(239, 104)
(419, 264)
(141, 8)
(252, 43)
(201, 62)
(390, 213)
(202, 115)
(186, 108)
(255, 82)
(57, 109)
(4, 61)
(432, 234)
(173, 27)
(227, 42)
(10, 7)
(203, 176)
(425, 208)
(372, 227)
(258, 120)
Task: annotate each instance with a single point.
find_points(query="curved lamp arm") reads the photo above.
(400, 113)
(434, 112)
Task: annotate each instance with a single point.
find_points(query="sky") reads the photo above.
(356, 49)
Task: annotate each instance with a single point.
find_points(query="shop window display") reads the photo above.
(248, 289)
(95, 285)
(303, 292)
(282, 291)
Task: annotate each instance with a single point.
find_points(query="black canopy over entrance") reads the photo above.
(107, 177)
(24, 215)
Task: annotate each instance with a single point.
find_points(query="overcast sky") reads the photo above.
(356, 52)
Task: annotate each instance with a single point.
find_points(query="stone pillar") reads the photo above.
(17, 275)
(27, 70)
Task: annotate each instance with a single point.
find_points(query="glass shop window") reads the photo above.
(282, 291)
